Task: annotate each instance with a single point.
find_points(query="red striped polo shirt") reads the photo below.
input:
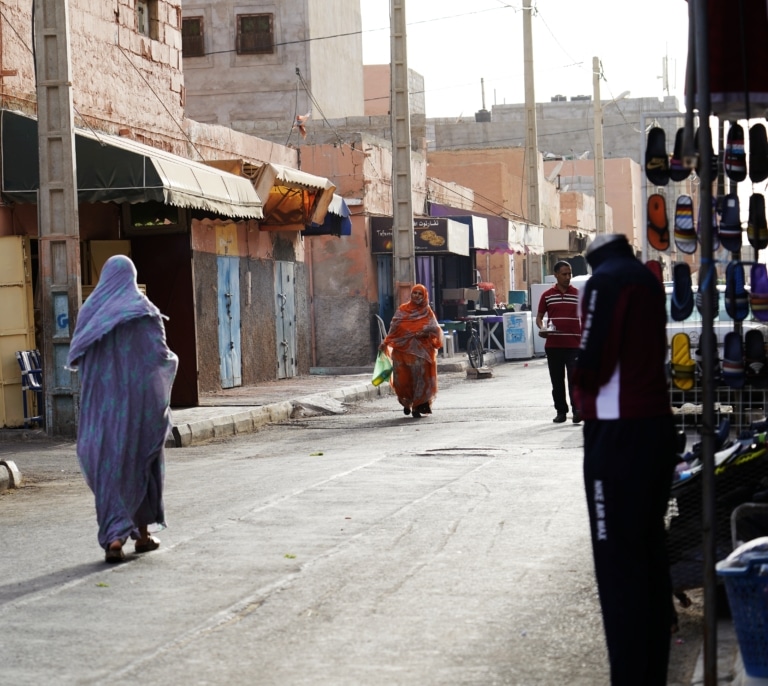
(563, 311)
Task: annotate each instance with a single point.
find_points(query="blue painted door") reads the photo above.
(285, 319)
(229, 321)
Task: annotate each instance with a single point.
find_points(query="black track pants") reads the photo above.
(628, 467)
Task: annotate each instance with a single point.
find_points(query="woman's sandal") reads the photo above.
(113, 555)
(150, 544)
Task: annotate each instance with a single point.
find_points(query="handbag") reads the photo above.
(382, 369)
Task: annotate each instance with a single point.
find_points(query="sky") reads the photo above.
(454, 44)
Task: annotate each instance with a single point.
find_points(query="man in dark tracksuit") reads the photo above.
(629, 449)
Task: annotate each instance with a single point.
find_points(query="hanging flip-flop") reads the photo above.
(700, 158)
(756, 363)
(736, 298)
(681, 364)
(730, 223)
(685, 234)
(758, 153)
(758, 292)
(678, 172)
(733, 360)
(681, 302)
(735, 161)
(656, 158)
(658, 224)
(698, 356)
(655, 267)
(757, 228)
(699, 298)
(715, 228)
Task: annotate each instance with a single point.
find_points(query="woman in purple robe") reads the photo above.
(126, 373)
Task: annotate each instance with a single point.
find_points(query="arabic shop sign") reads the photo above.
(432, 235)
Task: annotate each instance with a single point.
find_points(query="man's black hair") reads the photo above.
(559, 265)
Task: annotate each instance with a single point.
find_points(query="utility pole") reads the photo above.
(599, 159)
(57, 215)
(531, 134)
(403, 263)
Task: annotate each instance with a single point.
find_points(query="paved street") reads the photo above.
(357, 548)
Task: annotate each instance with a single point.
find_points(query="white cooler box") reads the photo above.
(518, 335)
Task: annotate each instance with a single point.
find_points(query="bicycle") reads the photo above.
(475, 350)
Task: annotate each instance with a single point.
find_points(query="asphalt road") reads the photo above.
(361, 548)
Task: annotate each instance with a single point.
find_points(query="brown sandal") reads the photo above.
(147, 546)
(113, 555)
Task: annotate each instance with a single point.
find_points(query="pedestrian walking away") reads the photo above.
(629, 456)
(126, 373)
(414, 338)
(563, 333)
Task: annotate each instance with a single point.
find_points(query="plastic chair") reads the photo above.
(31, 382)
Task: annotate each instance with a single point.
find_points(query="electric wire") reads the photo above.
(160, 100)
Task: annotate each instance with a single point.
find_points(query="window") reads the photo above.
(192, 37)
(254, 34)
(146, 18)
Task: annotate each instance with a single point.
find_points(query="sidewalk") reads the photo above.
(247, 408)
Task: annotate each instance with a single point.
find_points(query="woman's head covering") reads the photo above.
(115, 300)
(419, 310)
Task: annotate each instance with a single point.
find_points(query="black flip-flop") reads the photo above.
(735, 162)
(733, 360)
(736, 298)
(677, 171)
(700, 158)
(681, 303)
(756, 368)
(757, 227)
(656, 158)
(758, 153)
(730, 223)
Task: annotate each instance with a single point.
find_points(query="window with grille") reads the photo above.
(254, 34)
(192, 43)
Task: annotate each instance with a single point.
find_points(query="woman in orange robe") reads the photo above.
(414, 338)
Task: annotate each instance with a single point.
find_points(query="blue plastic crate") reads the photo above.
(747, 589)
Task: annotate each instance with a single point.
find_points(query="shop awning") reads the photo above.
(432, 236)
(336, 222)
(121, 170)
(293, 199)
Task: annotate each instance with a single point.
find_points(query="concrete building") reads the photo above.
(250, 64)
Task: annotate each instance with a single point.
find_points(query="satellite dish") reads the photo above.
(555, 171)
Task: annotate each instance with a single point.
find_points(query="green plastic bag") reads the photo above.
(382, 369)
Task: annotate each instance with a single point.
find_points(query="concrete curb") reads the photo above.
(238, 421)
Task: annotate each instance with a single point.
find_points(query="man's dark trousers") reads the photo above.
(628, 466)
(560, 362)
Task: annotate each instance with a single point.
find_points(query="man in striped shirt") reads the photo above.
(561, 305)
